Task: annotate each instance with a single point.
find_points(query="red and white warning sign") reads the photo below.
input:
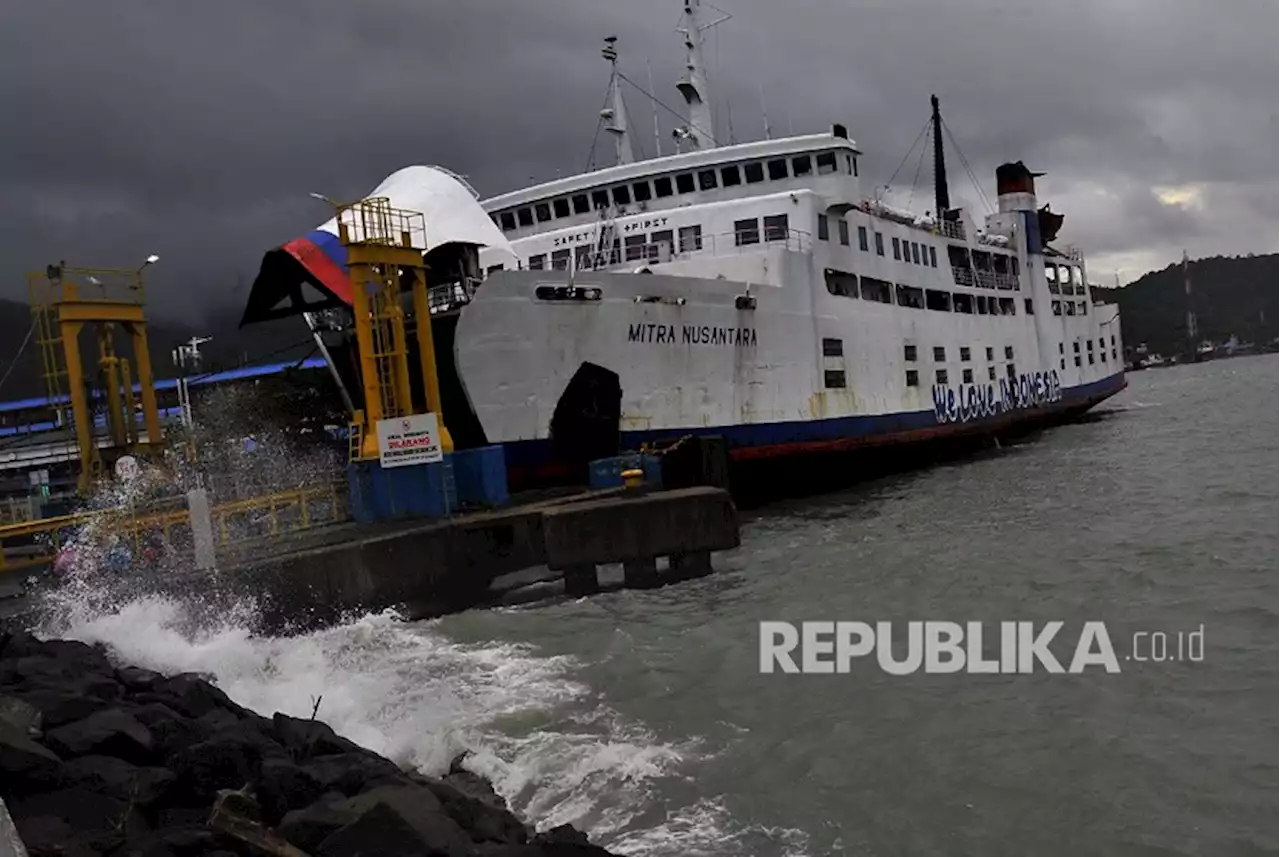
(414, 439)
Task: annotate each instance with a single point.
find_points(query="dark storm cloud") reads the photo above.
(197, 130)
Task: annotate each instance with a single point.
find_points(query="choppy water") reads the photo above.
(642, 716)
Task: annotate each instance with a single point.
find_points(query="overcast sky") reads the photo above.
(197, 130)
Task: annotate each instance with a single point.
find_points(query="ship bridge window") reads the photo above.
(691, 238)
(561, 207)
(622, 195)
(982, 304)
(854, 158)
(801, 165)
(1001, 262)
(641, 192)
(824, 229)
(826, 163)
(493, 269)
(778, 169)
(897, 250)
(560, 259)
(1008, 307)
(1071, 307)
(877, 290)
(525, 216)
(582, 257)
(684, 183)
(936, 300)
(729, 176)
(753, 172)
(841, 283)
(879, 244)
(580, 204)
(538, 262)
(933, 257)
(843, 227)
(706, 179)
(599, 199)
(981, 260)
(508, 221)
(1051, 273)
(635, 248)
(915, 252)
(1077, 276)
(862, 238)
(775, 227)
(661, 244)
(543, 212)
(746, 232)
(910, 296)
(1057, 307)
(662, 186)
(964, 303)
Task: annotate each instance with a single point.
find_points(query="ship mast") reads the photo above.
(942, 198)
(693, 85)
(615, 116)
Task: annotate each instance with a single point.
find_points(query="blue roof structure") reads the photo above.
(163, 384)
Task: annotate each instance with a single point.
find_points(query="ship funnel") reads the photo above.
(1016, 187)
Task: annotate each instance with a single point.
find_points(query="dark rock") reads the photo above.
(112, 732)
(192, 840)
(218, 719)
(227, 760)
(483, 820)
(136, 678)
(565, 834)
(62, 705)
(170, 731)
(352, 773)
(181, 816)
(282, 786)
(306, 738)
(471, 784)
(191, 695)
(21, 716)
(24, 763)
(412, 806)
(97, 821)
(141, 786)
(380, 832)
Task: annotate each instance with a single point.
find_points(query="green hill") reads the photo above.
(1230, 295)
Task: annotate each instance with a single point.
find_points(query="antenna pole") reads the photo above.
(657, 135)
(768, 132)
(616, 114)
(942, 197)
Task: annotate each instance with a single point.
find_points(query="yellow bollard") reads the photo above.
(633, 478)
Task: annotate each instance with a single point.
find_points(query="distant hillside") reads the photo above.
(1229, 295)
(278, 341)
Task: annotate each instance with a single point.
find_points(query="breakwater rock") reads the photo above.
(102, 759)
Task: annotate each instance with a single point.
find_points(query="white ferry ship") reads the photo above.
(756, 292)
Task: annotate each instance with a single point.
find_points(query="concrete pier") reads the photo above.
(436, 567)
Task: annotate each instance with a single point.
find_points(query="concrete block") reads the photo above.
(625, 528)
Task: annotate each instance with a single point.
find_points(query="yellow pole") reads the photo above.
(427, 355)
(79, 401)
(150, 414)
(110, 363)
(130, 406)
(360, 275)
(404, 396)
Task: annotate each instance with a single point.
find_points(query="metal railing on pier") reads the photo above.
(37, 543)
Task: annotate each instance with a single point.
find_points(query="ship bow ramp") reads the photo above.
(309, 273)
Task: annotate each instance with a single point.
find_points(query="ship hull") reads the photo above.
(760, 379)
(775, 459)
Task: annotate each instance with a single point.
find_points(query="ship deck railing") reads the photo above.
(722, 245)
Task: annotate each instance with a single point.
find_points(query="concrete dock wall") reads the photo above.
(439, 567)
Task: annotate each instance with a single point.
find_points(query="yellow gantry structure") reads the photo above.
(63, 302)
(384, 247)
